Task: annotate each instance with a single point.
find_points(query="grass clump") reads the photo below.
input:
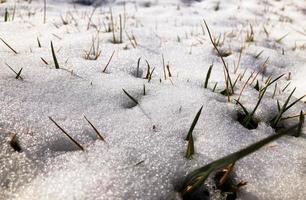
(94, 52)
(115, 39)
(282, 109)
(195, 179)
(247, 118)
(250, 35)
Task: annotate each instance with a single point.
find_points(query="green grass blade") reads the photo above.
(300, 126)
(190, 148)
(208, 75)
(278, 106)
(194, 122)
(293, 103)
(282, 110)
(243, 108)
(249, 117)
(196, 178)
(270, 83)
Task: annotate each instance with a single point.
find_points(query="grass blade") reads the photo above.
(38, 43)
(132, 98)
(9, 46)
(194, 122)
(300, 126)
(138, 66)
(222, 59)
(17, 76)
(95, 129)
(74, 141)
(196, 178)
(243, 108)
(208, 75)
(282, 110)
(110, 59)
(54, 57)
(190, 148)
(215, 86)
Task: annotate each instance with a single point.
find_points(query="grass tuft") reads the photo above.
(195, 179)
(281, 110)
(247, 119)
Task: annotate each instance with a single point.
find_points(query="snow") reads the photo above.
(143, 156)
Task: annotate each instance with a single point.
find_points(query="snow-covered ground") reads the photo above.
(143, 156)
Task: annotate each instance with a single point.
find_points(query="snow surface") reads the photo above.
(138, 161)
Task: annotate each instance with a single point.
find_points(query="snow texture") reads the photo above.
(143, 153)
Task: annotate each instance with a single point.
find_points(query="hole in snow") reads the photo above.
(62, 144)
(251, 124)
